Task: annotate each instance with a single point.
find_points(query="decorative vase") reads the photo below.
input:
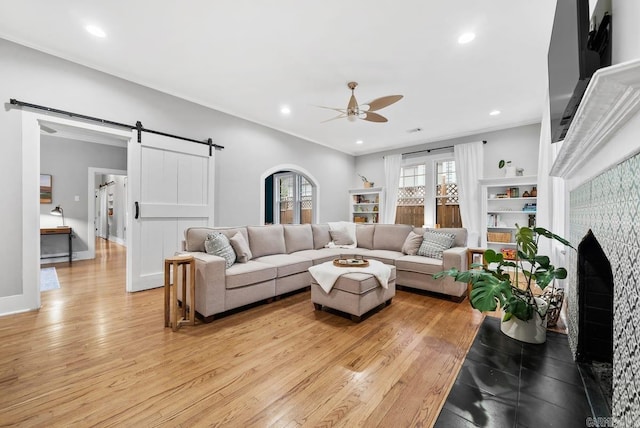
(534, 192)
(510, 171)
(531, 331)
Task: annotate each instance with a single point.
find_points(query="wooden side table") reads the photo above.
(471, 253)
(171, 302)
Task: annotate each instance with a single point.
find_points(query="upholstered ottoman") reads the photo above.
(354, 293)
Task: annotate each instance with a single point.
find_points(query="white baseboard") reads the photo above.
(118, 240)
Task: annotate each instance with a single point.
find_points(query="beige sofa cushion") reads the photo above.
(286, 264)
(419, 264)
(298, 237)
(252, 272)
(266, 240)
(364, 235)
(321, 235)
(390, 236)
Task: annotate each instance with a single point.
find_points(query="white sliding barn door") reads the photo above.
(170, 189)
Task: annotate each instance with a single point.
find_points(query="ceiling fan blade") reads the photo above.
(353, 104)
(383, 102)
(341, 110)
(340, 116)
(373, 117)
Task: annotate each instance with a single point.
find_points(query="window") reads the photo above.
(411, 192)
(293, 199)
(428, 194)
(447, 208)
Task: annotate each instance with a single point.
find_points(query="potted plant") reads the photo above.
(367, 183)
(510, 284)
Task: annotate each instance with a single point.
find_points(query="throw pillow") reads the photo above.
(218, 245)
(412, 243)
(241, 248)
(434, 243)
(340, 237)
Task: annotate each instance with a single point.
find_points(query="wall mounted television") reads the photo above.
(579, 46)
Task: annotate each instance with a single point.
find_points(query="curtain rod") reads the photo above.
(138, 125)
(437, 148)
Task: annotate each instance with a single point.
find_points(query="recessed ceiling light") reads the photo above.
(96, 31)
(466, 38)
(359, 142)
(285, 110)
(494, 113)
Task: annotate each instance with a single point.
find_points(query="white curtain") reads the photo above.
(469, 163)
(392, 165)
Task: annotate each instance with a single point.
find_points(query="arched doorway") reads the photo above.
(289, 196)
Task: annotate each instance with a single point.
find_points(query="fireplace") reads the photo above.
(595, 303)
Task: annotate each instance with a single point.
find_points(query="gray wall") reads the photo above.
(520, 145)
(68, 161)
(251, 149)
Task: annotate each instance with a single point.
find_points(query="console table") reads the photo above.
(66, 230)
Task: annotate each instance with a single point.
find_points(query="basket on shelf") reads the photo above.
(499, 236)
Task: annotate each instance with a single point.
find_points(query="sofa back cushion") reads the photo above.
(298, 237)
(460, 233)
(364, 235)
(194, 236)
(390, 236)
(266, 240)
(321, 235)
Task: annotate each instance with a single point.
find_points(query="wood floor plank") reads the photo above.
(94, 355)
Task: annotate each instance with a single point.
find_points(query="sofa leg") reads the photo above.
(388, 302)
(317, 306)
(458, 299)
(355, 318)
(206, 320)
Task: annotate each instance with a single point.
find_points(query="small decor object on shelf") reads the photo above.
(534, 192)
(526, 194)
(367, 184)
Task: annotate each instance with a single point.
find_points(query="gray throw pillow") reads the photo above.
(412, 243)
(434, 243)
(340, 237)
(241, 248)
(218, 245)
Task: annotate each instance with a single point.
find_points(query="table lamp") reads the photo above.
(58, 211)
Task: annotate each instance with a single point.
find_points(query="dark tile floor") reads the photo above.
(506, 383)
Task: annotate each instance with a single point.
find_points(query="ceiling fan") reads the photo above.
(354, 111)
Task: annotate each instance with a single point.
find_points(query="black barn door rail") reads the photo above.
(138, 125)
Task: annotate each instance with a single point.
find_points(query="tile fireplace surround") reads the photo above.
(600, 162)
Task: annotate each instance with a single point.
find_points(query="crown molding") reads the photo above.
(611, 99)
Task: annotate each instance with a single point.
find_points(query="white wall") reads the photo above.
(519, 145)
(251, 149)
(625, 15)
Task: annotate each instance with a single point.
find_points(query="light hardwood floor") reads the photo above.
(94, 355)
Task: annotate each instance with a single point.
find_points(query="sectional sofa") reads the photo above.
(279, 256)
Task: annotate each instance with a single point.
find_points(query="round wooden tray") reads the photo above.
(351, 262)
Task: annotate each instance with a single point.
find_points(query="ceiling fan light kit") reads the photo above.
(353, 112)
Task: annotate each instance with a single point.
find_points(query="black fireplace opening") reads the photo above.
(595, 321)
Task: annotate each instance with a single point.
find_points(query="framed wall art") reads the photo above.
(45, 188)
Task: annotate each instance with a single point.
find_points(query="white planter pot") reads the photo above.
(531, 331)
(510, 171)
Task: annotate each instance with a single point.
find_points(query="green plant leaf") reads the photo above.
(547, 234)
(501, 164)
(487, 292)
(490, 256)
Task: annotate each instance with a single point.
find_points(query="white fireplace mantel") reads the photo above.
(611, 99)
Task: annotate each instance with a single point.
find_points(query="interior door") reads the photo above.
(170, 189)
